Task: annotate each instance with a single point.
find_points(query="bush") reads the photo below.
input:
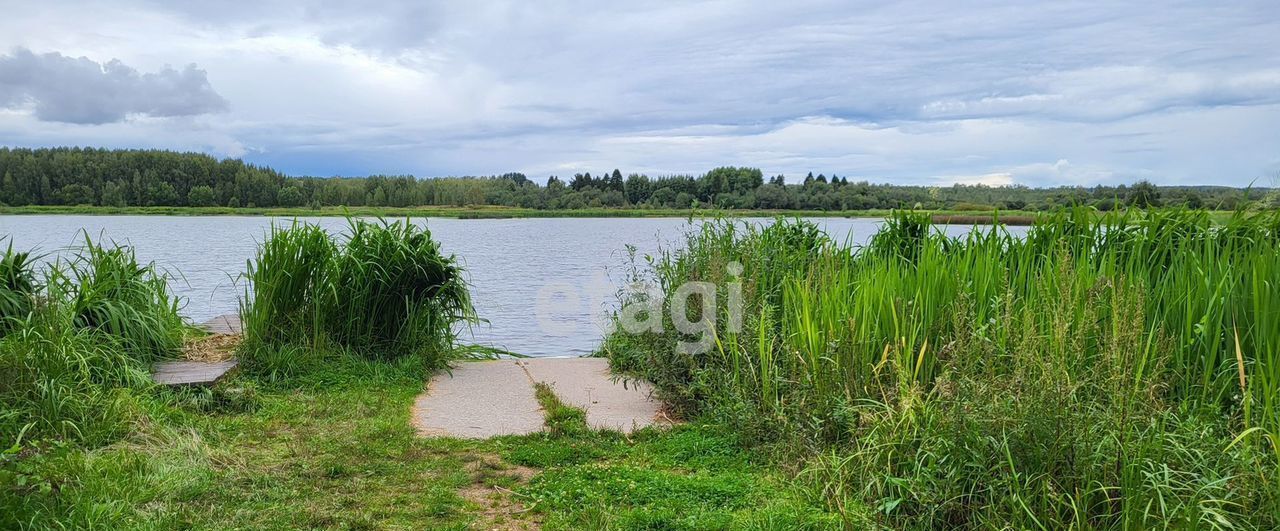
(386, 291)
(201, 195)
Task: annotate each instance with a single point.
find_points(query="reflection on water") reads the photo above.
(569, 268)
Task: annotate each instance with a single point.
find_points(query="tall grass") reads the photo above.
(383, 290)
(1102, 371)
(107, 289)
(18, 287)
(79, 338)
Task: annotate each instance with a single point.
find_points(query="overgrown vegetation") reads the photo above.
(384, 290)
(76, 339)
(1113, 371)
(91, 443)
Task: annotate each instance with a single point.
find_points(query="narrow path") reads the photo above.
(484, 399)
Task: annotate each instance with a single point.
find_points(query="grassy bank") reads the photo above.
(335, 450)
(314, 430)
(1103, 372)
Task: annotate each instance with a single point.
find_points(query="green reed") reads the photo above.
(78, 342)
(18, 287)
(383, 290)
(1043, 365)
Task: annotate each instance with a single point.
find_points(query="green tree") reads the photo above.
(201, 196)
(76, 194)
(1143, 194)
(293, 197)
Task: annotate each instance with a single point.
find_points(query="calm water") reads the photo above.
(544, 285)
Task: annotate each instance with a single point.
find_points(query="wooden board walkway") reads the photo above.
(188, 372)
(182, 372)
(223, 324)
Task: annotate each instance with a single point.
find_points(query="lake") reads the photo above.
(544, 285)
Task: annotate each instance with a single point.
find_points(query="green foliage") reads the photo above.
(1104, 371)
(72, 176)
(202, 195)
(60, 381)
(385, 291)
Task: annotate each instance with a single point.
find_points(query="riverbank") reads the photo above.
(315, 429)
(1115, 372)
(336, 449)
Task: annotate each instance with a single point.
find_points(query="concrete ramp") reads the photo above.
(482, 399)
(478, 400)
(587, 384)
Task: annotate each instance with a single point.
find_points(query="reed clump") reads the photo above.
(1104, 371)
(75, 342)
(382, 290)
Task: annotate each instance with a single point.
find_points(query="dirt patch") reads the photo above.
(213, 347)
(492, 490)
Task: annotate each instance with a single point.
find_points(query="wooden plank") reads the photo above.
(190, 372)
(223, 324)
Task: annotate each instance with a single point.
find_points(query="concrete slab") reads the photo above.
(190, 372)
(480, 399)
(586, 383)
(223, 324)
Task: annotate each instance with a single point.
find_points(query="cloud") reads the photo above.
(1112, 93)
(58, 88)
(922, 92)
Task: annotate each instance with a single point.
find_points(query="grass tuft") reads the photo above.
(382, 291)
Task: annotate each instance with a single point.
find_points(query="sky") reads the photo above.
(927, 93)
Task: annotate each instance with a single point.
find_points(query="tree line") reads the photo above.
(105, 177)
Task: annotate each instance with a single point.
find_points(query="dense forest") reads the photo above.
(103, 177)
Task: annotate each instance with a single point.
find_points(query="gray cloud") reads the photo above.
(924, 91)
(80, 90)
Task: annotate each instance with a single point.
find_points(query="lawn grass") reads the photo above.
(335, 449)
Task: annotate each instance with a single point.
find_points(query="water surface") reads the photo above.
(543, 285)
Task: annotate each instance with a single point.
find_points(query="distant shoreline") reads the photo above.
(490, 212)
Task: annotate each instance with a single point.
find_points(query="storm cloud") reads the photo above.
(81, 91)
